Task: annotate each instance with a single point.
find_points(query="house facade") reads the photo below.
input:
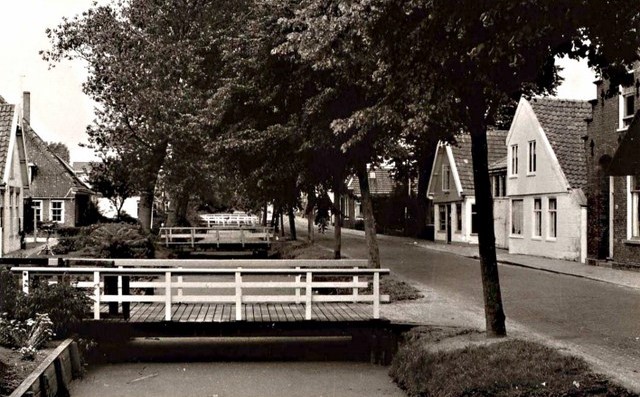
(14, 185)
(57, 194)
(613, 144)
(546, 178)
(452, 191)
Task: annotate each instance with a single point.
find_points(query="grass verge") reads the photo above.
(504, 368)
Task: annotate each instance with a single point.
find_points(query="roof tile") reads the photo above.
(565, 124)
(6, 118)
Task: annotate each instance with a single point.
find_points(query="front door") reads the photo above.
(448, 223)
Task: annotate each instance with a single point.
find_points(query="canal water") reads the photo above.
(237, 379)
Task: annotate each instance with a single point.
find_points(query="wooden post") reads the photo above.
(96, 295)
(193, 237)
(218, 237)
(166, 236)
(238, 295)
(242, 237)
(355, 289)
(298, 279)
(167, 296)
(25, 281)
(376, 295)
(180, 280)
(308, 296)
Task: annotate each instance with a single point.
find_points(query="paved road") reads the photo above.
(598, 320)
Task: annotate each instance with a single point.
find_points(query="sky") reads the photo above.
(60, 111)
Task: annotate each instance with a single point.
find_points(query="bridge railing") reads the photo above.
(228, 219)
(217, 235)
(236, 286)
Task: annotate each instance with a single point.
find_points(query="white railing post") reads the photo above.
(96, 295)
(298, 280)
(167, 232)
(355, 289)
(167, 296)
(180, 280)
(25, 281)
(238, 295)
(242, 237)
(376, 295)
(193, 237)
(120, 287)
(218, 237)
(308, 296)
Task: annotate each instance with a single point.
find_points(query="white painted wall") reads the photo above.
(568, 243)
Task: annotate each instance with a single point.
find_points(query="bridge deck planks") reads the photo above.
(257, 312)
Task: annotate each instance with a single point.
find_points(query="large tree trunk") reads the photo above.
(494, 313)
(281, 212)
(369, 220)
(337, 229)
(292, 224)
(144, 210)
(311, 202)
(264, 214)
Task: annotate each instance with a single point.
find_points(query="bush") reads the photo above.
(27, 336)
(359, 224)
(105, 240)
(119, 240)
(65, 305)
(9, 292)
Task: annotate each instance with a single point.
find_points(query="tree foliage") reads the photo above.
(115, 179)
(60, 149)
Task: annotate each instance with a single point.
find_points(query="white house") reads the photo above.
(546, 175)
(452, 191)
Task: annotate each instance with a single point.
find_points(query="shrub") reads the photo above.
(9, 292)
(71, 239)
(119, 240)
(27, 336)
(65, 305)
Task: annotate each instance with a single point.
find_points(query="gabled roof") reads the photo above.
(626, 160)
(496, 151)
(380, 185)
(565, 124)
(6, 120)
(54, 177)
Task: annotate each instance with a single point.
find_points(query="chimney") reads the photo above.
(26, 106)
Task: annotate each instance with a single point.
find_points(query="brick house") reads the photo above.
(547, 178)
(451, 188)
(13, 184)
(58, 195)
(612, 147)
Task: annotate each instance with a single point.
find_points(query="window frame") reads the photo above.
(473, 209)
(442, 218)
(552, 228)
(446, 176)
(513, 150)
(458, 217)
(634, 203)
(536, 225)
(52, 209)
(624, 115)
(38, 211)
(511, 218)
(531, 158)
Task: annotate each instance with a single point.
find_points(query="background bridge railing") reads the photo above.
(216, 236)
(236, 219)
(232, 286)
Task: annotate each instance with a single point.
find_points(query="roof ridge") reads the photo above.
(554, 99)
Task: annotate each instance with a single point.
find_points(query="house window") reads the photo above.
(516, 217)
(499, 185)
(537, 217)
(446, 178)
(57, 211)
(627, 109)
(474, 219)
(635, 206)
(553, 218)
(514, 159)
(532, 158)
(458, 217)
(37, 210)
(443, 218)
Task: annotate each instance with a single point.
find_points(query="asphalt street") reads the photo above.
(599, 321)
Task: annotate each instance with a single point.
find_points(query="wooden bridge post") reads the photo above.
(355, 289)
(298, 280)
(180, 280)
(376, 295)
(25, 281)
(167, 296)
(238, 295)
(193, 237)
(308, 296)
(96, 295)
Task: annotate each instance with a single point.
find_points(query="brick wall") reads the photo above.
(602, 142)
